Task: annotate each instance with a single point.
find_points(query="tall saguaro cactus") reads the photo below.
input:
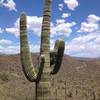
(49, 62)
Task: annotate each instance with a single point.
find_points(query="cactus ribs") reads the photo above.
(49, 62)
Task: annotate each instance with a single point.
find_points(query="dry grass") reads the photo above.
(78, 79)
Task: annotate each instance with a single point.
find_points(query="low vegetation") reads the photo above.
(78, 79)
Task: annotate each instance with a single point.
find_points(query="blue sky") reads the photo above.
(75, 21)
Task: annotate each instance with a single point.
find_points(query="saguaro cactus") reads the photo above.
(49, 62)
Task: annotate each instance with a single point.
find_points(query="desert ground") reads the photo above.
(78, 79)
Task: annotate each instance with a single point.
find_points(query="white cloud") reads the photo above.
(92, 24)
(11, 5)
(62, 28)
(0, 47)
(1, 30)
(93, 18)
(10, 50)
(1, 2)
(4, 42)
(15, 48)
(71, 4)
(60, 7)
(34, 24)
(88, 27)
(15, 29)
(52, 42)
(59, 21)
(97, 40)
(82, 46)
(35, 48)
(65, 15)
(85, 46)
(9, 47)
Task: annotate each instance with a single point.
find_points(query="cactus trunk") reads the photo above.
(43, 86)
(49, 63)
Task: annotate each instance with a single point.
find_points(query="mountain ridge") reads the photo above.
(81, 75)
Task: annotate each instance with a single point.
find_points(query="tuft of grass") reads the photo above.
(4, 76)
(7, 76)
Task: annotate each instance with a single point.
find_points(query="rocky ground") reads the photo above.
(78, 79)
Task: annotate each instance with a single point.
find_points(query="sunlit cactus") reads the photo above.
(49, 62)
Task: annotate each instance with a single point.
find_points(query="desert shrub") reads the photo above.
(4, 76)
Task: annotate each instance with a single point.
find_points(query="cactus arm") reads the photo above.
(53, 53)
(56, 46)
(57, 56)
(25, 55)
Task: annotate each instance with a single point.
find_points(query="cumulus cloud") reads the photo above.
(13, 30)
(1, 2)
(85, 46)
(88, 27)
(10, 50)
(59, 21)
(33, 24)
(60, 7)
(9, 47)
(93, 18)
(71, 4)
(91, 24)
(11, 5)
(65, 15)
(97, 40)
(62, 28)
(5, 42)
(82, 46)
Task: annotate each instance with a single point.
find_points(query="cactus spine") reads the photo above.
(49, 62)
